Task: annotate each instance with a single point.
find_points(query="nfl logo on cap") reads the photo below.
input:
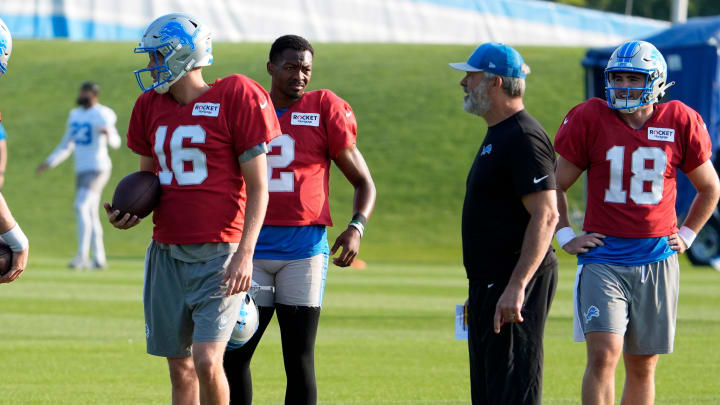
(494, 58)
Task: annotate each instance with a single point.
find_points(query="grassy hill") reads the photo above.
(418, 141)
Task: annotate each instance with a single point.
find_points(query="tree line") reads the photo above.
(657, 9)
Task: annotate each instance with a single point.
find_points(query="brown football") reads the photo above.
(5, 258)
(137, 193)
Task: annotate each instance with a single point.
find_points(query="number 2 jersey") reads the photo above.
(315, 129)
(196, 148)
(631, 173)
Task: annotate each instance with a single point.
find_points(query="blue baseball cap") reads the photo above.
(495, 58)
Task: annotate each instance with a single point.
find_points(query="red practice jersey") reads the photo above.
(196, 148)
(631, 173)
(315, 129)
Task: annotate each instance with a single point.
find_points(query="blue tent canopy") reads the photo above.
(692, 52)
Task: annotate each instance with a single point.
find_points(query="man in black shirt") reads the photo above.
(508, 220)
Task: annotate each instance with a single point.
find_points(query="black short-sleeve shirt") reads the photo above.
(515, 159)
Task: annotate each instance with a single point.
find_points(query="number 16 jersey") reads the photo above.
(195, 148)
(632, 173)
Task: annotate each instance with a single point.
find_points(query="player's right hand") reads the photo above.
(583, 243)
(18, 266)
(124, 222)
(349, 241)
(238, 275)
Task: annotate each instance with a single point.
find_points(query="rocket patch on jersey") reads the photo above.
(308, 119)
(206, 109)
(661, 134)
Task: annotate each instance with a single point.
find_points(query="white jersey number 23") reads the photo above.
(641, 174)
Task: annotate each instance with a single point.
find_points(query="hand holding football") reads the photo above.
(137, 194)
(6, 256)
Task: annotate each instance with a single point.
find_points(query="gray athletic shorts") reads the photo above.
(638, 302)
(298, 282)
(92, 180)
(184, 299)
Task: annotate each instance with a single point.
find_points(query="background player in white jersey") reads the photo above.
(207, 143)
(292, 250)
(628, 275)
(9, 229)
(90, 130)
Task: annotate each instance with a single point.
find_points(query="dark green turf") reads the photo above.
(386, 337)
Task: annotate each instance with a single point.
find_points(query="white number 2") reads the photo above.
(286, 182)
(641, 174)
(179, 155)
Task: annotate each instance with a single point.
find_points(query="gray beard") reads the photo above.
(477, 102)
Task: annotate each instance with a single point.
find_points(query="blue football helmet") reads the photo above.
(5, 47)
(639, 57)
(181, 41)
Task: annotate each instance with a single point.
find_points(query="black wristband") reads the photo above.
(360, 218)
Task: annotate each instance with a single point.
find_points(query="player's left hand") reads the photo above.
(508, 307)
(677, 243)
(19, 262)
(350, 243)
(120, 222)
(238, 275)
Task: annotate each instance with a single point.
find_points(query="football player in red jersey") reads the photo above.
(292, 251)
(628, 275)
(11, 232)
(207, 144)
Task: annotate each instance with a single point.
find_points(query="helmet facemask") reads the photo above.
(621, 98)
(158, 76)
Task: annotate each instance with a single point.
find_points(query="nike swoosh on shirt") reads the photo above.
(263, 105)
(349, 113)
(536, 181)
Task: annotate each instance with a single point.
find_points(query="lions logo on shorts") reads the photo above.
(591, 313)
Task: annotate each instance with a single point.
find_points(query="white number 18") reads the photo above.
(641, 174)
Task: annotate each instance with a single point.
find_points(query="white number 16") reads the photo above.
(179, 155)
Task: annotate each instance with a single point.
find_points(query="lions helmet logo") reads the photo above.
(174, 29)
(242, 322)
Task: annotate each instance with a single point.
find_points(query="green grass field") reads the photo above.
(386, 334)
(386, 337)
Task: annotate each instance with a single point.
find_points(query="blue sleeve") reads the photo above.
(3, 134)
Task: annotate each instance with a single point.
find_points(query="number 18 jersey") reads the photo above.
(315, 129)
(632, 173)
(196, 148)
